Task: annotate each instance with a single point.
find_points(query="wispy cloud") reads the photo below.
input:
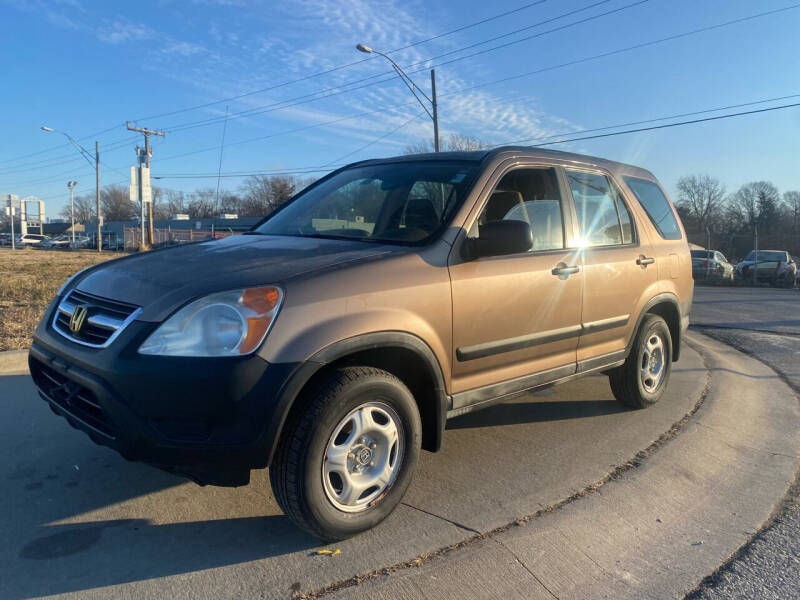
(123, 30)
(60, 13)
(184, 49)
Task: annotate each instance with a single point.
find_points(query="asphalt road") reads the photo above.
(79, 520)
(764, 323)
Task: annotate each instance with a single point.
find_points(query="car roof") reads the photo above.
(503, 152)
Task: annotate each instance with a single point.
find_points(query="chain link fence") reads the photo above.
(172, 237)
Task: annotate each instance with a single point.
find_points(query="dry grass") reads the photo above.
(29, 280)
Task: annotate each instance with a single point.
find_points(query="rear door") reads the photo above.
(618, 263)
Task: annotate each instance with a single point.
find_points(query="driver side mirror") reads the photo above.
(497, 238)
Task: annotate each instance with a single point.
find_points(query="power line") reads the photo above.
(655, 120)
(654, 127)
(324, 168)
(346, 65)
(35, 166)
(52, 148)
(627, 49)
(329, 92)
(372, 79)
(307, 77)
(618, 51)
(375, 141)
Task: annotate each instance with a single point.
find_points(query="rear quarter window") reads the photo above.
(656, 206)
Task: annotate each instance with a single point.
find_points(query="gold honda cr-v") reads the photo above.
(333, 341)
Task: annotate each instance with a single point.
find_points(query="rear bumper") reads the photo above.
(210, 420)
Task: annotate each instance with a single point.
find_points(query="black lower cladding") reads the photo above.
(205, 418)
(72, 397)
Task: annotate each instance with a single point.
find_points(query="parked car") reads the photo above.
(81, 241)
(5, 239)
(711, 265)
(333, 341)
(31, 239)
(776, 267)
(61, 241)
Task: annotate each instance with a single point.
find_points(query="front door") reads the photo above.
(517, 315)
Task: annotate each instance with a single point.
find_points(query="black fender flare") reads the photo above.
(665, 297)
(303, 373)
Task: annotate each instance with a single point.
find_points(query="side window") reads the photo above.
(602, 214)
(624, 216)
(656, 206)
(532, 196)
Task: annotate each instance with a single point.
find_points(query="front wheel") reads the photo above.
(642, 379)
(348, 453)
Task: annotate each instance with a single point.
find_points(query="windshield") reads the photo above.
(406, 202)
(702, 254)
(766, 255)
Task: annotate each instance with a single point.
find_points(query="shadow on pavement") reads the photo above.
(152, 550)
(50, 472)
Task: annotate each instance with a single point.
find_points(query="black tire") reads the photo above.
(627, 382)
(296, 473)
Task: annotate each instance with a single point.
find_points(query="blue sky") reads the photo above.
(86, 67)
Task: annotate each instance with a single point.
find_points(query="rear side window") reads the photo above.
(602, 214)
(656, 206)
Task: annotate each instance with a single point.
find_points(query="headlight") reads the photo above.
(224, 324)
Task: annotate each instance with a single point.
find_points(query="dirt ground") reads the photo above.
(28, 281)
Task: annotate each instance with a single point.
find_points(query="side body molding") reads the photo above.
(341, 349)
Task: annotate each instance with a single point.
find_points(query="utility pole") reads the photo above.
(97, 194)
(435, 112)
(146, 160)
(71, 186)
(708, 251)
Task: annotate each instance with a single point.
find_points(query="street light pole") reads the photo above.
(71, 185)
(433, 112)
(95, 162)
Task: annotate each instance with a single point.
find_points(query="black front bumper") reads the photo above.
(209, 419)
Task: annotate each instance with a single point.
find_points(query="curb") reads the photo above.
(14, 362)
(655, 531)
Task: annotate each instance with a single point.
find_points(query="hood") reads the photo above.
(161, 280)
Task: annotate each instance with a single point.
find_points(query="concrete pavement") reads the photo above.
(97, 526)
(769, 565)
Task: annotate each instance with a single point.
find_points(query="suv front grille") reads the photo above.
(72, 397)
(101, 320)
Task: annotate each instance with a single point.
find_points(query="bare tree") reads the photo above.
(262, 194)
(116, 203)
(756, 202)
(455, 142)
(203, 204)
(701, 196)
(791, 200)
(85, 208)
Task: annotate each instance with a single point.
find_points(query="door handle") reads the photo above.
(563, 270)
(643, 261)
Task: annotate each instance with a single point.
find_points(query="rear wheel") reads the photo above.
(642, 379)
(348, 454)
